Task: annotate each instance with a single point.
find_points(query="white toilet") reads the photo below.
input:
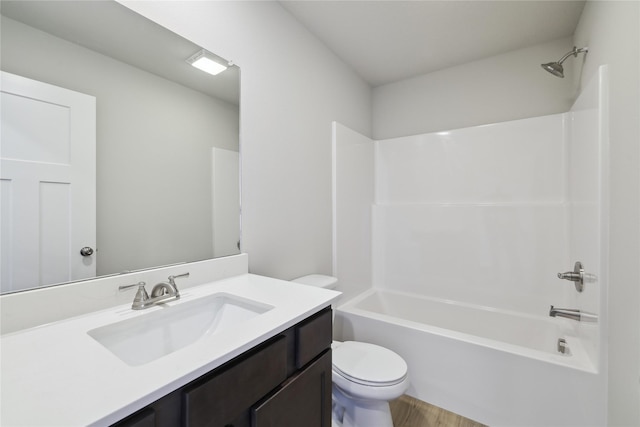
(365, 376)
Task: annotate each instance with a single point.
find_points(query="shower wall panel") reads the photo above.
(477, 215)
(503, 256)
(518, 161)
(353, 193)
(588, 204)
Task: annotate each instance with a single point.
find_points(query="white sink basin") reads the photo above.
(152, 335)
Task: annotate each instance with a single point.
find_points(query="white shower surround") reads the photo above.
(481, 217)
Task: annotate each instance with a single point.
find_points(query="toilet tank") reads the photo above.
(318, 280)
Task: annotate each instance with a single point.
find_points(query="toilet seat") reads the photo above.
(368, 364)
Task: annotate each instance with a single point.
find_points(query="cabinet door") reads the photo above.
(304, 400)
(218, 399)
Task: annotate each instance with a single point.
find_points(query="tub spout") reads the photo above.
(571, 313)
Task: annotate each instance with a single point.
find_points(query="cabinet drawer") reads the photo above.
(313, 336)
(303, 401)
(220, 398)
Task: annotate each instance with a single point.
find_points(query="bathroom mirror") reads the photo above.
(166, 138)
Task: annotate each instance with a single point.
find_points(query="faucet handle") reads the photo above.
(123, 287)
(141, 295)
(172, 279)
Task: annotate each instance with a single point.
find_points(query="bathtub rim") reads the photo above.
(578, 359)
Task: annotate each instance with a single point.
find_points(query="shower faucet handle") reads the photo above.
(570, 275)
(576, 276)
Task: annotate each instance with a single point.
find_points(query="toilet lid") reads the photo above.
(368, 364)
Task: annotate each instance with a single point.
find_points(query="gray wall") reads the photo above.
(154, 140)
(504, 87)
(293, 87)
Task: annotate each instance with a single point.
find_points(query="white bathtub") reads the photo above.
(496, 367)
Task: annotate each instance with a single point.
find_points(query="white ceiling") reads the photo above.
(387, 41)
(382, 40)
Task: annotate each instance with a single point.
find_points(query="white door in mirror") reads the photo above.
(47, 187)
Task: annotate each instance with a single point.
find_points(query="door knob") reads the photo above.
(86, 251)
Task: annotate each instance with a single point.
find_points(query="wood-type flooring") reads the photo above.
(409, 412)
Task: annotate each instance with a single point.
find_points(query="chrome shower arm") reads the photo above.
(574, 52)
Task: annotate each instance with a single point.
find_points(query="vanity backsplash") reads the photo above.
(22, 310)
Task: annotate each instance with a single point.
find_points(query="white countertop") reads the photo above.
(57, 375)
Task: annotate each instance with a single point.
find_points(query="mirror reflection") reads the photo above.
(165, 186)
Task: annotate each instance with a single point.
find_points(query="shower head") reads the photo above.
(556, 68)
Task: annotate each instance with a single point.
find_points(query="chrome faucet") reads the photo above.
(571, 313)
(161, 292)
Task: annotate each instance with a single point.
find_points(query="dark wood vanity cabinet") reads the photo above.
(283, 382)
